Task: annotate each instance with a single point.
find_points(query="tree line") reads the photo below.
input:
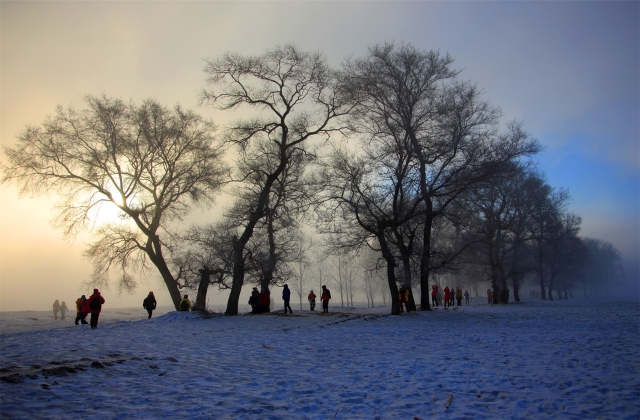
(392, 154)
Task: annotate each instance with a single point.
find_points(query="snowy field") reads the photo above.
(566, 360)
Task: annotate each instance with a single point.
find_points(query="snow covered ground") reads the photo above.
(576, 359)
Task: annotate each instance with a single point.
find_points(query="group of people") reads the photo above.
(450, 296)
(59, 307)
(85, 306)
(324, 297)
(260, 301)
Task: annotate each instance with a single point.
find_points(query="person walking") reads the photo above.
(56, 309)
(312, 300)
(81, 315)
(286, 296)
(434, 295)
(185, 304)
(149, 303)
(466, 297)
(459, 296)
(325, 297)
(95, 303)
(490, 296)
(447, 294)
(63, 309)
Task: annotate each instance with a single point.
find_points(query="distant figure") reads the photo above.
(489, 296)
(254, 300)
(95, 303)
(185, 304)
(434, 295)
(466, 297)
(325, 297)
(81, 315)
(403, 298)
(56, 309)
(286, 296)
(452, 297)
(63, 309)
(312, 300)
(447, 295)
(149, 303)
(459, 296)
(265, 300)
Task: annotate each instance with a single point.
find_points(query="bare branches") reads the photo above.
(149, 162)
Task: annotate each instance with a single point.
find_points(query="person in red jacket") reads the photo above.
(446, 296)
(326, 295)
(434, 295)
(95, 303)
(312, 300)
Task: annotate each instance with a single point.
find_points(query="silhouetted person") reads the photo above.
(254, 300)
(434, 295)
(466, 297)
(63, 309)
(447, 295)
(452, 297)
(489, 296)
(185, 304)
(81, 313)
(95, 303)
(149, 303)
(56, 309)
(326, 296)
(286, 296)
(459, 296)
(312, 300)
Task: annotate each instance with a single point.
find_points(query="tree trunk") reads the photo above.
(391, 276)
(203, 287)
(238, 277)
(425, 293)
(154, 251)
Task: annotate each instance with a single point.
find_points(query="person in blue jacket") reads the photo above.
(286, 296)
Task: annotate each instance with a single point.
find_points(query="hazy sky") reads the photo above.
(569, 70)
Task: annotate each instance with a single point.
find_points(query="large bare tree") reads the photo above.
(402, 91)
(293, 99)
(150, 162)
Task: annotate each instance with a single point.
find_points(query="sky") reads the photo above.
(568, 70)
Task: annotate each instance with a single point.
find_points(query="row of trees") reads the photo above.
(391, 153)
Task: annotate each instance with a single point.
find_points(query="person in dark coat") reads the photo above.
(254, 300)
(149, 303)
(459, 296)
(286, 296)
(265, 300)
(466, 297)
(95, 303)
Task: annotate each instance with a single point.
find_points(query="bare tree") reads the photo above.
(150, 162)
(452, 133)
(293, 94)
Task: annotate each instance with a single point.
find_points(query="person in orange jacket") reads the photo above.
(95, 303)
(403, 298)
(81, 315)
(312, 300)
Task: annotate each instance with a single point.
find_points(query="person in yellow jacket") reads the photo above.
(185, 304)
(459, 296)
